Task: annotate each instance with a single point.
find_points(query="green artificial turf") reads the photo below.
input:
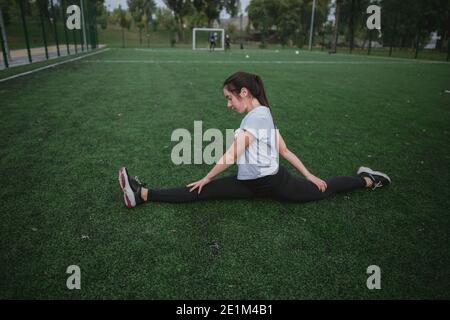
(66, 131)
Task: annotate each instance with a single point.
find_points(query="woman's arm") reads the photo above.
(240, 143)
(291, 157)
(295, 161)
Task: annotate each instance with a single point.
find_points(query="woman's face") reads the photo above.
(234, 102)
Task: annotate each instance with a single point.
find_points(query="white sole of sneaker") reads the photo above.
(128, 195)
(368, 170)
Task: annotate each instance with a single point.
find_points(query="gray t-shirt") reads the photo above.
(260, 157)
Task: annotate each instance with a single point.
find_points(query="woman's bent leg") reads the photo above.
(297, 189)
(223, 188)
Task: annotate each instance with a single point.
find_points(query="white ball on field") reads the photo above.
(297, 52)
(247, 56)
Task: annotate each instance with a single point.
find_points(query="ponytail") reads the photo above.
(260, 93)
(252, 82)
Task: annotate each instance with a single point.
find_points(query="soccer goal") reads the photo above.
(201, 38)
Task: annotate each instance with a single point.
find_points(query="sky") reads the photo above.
(112, 4)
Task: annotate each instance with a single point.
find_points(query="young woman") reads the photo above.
(259, 173)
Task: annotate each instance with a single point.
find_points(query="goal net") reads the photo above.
(201, 38)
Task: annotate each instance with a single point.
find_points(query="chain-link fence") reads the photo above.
(36, 30)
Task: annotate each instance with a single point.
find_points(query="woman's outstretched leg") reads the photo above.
(223, 188)
(301, 190)
(295, 189)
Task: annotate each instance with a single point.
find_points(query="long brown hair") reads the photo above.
(252, 82)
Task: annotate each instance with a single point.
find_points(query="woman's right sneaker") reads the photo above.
(378, 178)
(131, 188)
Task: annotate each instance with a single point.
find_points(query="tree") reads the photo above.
(352, 20)
(136, 8)
(263, 15)
(180, 9)
(408, 23)
(165, 19)
(102, 14)
(338, 5)
(197, 19)
(232, 7)
(149, 11)
(390, 20)
(123, 18)
(7, 8)
(320, 17)
(139, 9)
(289, 21)
(211, 8)
(351, 14)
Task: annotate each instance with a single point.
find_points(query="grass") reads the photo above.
(65, 131)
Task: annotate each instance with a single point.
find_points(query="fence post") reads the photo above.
(82, 39)
(56, 28)
(44, 37)
(5, 56)
(95, 26)
(22, 13)
(63, 15)
(323, 40)
(392, 36)
(3, 40)
(311, 28)
(448, 48)
(74, 33)
(417, 46)
(83, 24)
(90, 16)
(391, 45)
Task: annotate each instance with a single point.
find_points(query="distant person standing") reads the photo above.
(227, 42)
(212, 41)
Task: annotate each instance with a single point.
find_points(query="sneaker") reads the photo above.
(379, 179)
(131, 188)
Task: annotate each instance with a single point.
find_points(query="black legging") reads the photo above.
(281, 186)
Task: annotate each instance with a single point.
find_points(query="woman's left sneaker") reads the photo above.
(131, 188)
(378, 178)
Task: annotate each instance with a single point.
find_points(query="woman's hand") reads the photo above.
(199, 184)
(322, 185)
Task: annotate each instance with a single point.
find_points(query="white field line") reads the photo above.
(52, 65)
(302, 53)
(375, 57)
(257, 62)
(183, 51)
